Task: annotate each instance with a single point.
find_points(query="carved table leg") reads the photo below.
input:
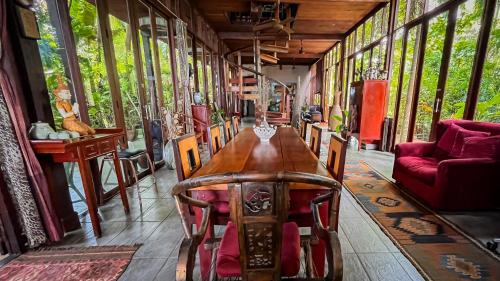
(88, 187)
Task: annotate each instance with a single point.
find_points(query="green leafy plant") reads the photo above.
(217, 117)
(342, 119)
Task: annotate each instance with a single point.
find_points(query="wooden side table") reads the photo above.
(81, 150)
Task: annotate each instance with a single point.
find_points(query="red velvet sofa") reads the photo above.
(460, 171)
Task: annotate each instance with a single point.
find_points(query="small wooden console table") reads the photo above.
(81, 150)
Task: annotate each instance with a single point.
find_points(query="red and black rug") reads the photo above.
(436, 247)
(103, 263)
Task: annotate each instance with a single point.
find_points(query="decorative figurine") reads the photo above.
(69, 112)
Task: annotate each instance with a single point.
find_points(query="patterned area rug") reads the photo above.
(103, 263)
(437, 248)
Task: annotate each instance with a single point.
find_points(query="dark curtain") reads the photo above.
(10, 86)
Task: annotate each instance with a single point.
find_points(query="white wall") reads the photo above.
(289, 74)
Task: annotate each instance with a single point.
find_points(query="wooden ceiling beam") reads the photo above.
(295, 36)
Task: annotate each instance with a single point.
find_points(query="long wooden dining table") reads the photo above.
(285, 151)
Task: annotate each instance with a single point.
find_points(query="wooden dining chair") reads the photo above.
(336, 160)
(228, 134)
(303, 129)
(186, 155)
(214, 140)
(336, 157)
(252, 245)
(236, 125)
(315, 140)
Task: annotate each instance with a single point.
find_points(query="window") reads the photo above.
(396, 70)
(209, 74)
(52, 53)
(201, 70)
(488, 107)
(430, 74)
(84, 22)
(462, 58)
(165, 63)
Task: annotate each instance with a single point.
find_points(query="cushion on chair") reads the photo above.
(459, 140)
(481, 147)
(128, 153)
(228, 259)
(423, 168)
(446, 142)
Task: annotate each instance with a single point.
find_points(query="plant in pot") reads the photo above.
(341, 127)
(217, 117)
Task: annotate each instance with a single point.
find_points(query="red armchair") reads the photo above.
(446, 179)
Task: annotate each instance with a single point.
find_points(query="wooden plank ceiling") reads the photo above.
(318, 25)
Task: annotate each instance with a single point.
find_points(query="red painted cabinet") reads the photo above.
(200, 119)
(367, 109)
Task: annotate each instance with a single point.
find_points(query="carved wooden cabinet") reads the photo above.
(367, 109)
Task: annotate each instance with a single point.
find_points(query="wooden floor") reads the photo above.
(368, 253)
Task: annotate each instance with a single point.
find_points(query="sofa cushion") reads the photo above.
(423, 168)
(228, 259)
(459, 140)
(481, 147)
(445, 143)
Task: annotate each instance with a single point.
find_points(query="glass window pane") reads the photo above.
(122, 44)
(430, 74)
(368, 31)
(85, 27)
(201, 71)
(52, 53)
(165, 63)
(488, 107)
(377, 25)
(395, 72)
(146, 51)
(366, 60)
(359, 37)
(408, 82)
(401, 19)
(416, 9)
(192, 86)
(208, 69)
(462, 59)
(385, 20)
(431, 4)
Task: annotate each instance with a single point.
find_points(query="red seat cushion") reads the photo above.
(219, 199)
(228, 259)
(423, 168)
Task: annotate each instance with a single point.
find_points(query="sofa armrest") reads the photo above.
(414, 149)
(471, 181)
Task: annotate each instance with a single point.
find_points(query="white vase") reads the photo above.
(336, 111)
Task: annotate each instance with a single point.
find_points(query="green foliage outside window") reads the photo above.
(50, 53)
(84, 23)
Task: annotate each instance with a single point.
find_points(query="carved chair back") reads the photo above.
(228, 135)
(303, 129)
(187, 156)
(236, 125)
(259, 204)
(336, 157)
(214, 140)
(315, 140)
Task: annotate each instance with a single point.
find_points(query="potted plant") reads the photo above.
(341, 127)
